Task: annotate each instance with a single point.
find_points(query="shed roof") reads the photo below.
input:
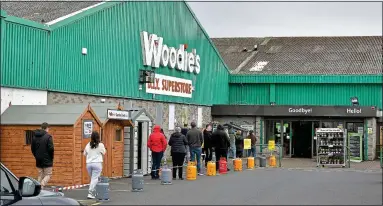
(302, 55)
(37, 114)
(101, 110)
(44, 11)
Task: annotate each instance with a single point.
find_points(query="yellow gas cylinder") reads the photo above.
(191, 171)
(237, 164)
(250, 163)
(211, 168)
(272, 161)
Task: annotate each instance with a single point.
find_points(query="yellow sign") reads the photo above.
(247, 143)
(271, 145)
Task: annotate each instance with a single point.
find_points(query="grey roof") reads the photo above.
(137, 112)
(101, 110)
(303, 55)
(44, 11)
(36, 114)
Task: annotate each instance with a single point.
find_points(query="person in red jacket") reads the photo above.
(157, 144)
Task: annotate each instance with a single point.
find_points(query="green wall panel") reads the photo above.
(23, 55)
(112, 38)
(257, 94)
(306, 94)
(328, 94)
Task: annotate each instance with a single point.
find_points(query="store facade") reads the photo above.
(294, 127)
(97, 54)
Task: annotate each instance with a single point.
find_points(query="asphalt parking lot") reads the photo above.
(310, 186)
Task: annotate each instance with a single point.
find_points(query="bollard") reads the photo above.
(102, 189)
(211, 169)
(272, 161)
(166, 175)
(237, 164)
(250, 163)
(262, 161)
(191, 171)
(137, 181)
(222, 165)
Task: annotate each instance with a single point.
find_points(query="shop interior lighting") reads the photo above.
(354, 101)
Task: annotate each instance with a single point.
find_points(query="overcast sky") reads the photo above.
(260, 19)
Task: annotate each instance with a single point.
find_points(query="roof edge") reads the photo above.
(302, 79)
(207, 36)
(70, 18)
(22, 21)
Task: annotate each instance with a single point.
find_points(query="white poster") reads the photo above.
(199, 117)
(173, 86)
(171, 117)
(88, 128)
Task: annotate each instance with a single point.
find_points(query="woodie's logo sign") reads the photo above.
(156, 53)
(173, 86)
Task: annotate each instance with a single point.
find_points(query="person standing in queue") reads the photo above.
(195, 141)
(207, 147)
(253, 139)
(157, 144)
(220, 142)
(232, 150)
(43, 150)
(178, 143)
(94, 152)
(184, 131)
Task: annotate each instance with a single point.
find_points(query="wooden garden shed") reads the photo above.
(114, 119)
(70, 126)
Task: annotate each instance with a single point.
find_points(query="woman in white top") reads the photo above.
(94, 152)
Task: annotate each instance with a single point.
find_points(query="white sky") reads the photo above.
(260, 19)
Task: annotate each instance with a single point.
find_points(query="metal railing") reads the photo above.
(264, 151)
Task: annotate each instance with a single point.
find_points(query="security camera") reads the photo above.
(102, 100)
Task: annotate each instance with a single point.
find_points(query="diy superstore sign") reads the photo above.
(156, 53)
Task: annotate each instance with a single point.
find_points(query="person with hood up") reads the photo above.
(220, 142)
(157, 144)
(207, 147)
(232, 149)
(178, 143)
(43, 150)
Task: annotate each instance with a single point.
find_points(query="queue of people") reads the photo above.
(184, 143)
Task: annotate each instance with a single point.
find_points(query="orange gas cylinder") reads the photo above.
(250, 163)
(272, 161)
(191, 171)
(211, 170)
(237, 164)
(222, 166)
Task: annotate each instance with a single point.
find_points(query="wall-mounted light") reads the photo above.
(84, 51)
(354, 101)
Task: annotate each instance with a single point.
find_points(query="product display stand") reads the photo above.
(331, 147)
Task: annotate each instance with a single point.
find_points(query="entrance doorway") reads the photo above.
(302, 139)
(139, 157)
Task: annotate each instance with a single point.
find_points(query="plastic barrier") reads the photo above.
(250, 163)
(222, 166)
(237, 164)
(191, 171)
(211, 169)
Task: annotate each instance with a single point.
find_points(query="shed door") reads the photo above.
(85, 139)
(127, 151)
(118, 146)
(144, 148)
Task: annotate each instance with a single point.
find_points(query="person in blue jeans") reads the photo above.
(253, 139)
(195, 141)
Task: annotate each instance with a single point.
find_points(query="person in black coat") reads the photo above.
(43, 150)
(207, 147)
(220, 142)
(178, 143)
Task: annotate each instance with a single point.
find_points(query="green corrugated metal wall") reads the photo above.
(112, 37)
(306, 94)
(23, 55)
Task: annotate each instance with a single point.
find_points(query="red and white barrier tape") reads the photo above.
(69, 187)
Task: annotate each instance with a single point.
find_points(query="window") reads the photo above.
(28, 137)
(118, 135)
